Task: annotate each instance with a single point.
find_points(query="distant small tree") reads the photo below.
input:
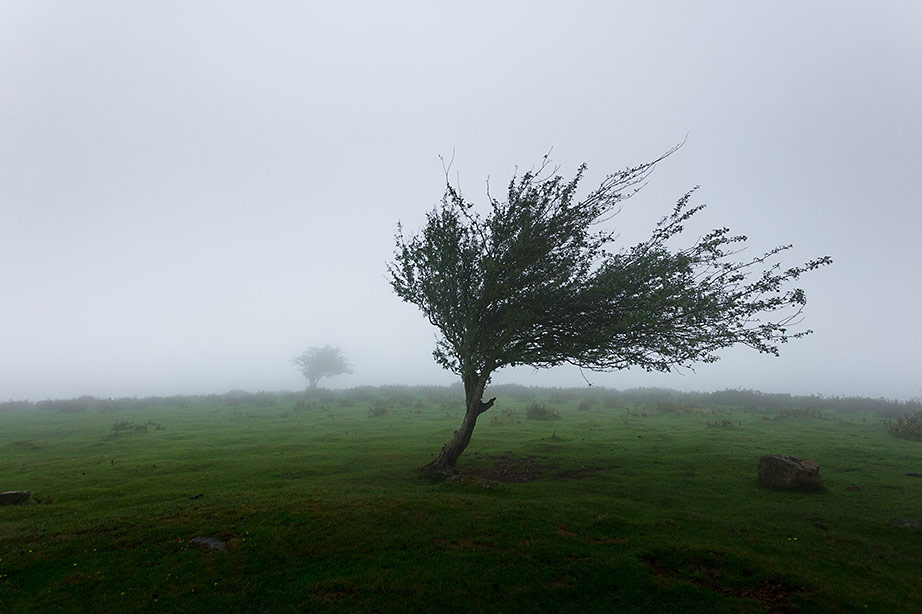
(533, 282)
(318, 362)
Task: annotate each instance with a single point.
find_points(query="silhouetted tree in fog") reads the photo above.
(532, 282)
(318, 362)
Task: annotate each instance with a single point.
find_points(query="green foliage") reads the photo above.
(908, 426)
(535, 283)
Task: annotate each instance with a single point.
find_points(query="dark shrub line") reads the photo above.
(448, 397)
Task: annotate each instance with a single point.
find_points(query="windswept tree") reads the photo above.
(318, 362)
(533, 281)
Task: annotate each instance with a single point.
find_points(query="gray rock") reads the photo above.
(210, 543)
(789, 472)
(14, 497)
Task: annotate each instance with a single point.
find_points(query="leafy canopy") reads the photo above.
(533, 282)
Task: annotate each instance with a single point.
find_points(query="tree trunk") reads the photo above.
(445, 462)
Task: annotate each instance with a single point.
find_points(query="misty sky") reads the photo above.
(191, 193)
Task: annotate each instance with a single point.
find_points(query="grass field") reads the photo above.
(612, 506)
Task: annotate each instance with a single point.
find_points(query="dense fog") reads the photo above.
(193, 193)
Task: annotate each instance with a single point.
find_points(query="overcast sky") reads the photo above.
(191, 193)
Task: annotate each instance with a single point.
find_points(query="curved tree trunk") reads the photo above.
(445, 462)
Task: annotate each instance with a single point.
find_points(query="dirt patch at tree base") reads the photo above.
(520, 469)
(576, 474)
(512, 470)
(508, 469)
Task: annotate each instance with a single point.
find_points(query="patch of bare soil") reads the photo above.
(775, 594)
(457, 544)
(517, 470)
(510, 470)
(576, 474)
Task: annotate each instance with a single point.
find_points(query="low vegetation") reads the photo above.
(537, 411)
(629, 500)
(908, 426)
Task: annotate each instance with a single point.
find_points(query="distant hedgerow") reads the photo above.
(908, 426)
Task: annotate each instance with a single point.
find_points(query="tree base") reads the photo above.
(438, 471)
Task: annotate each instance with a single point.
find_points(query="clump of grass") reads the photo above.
(128, 426)
(308, 405)
(802, 412)
(537, 411)
(125, 425)
(907, 427)
(378, 409)
(506, 415)
(263, 399)
(672, 407)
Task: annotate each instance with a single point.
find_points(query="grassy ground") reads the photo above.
(322, 507)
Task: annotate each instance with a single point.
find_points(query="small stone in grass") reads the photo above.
(14, 497)
(210, 543)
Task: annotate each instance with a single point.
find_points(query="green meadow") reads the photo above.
(568, 501)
